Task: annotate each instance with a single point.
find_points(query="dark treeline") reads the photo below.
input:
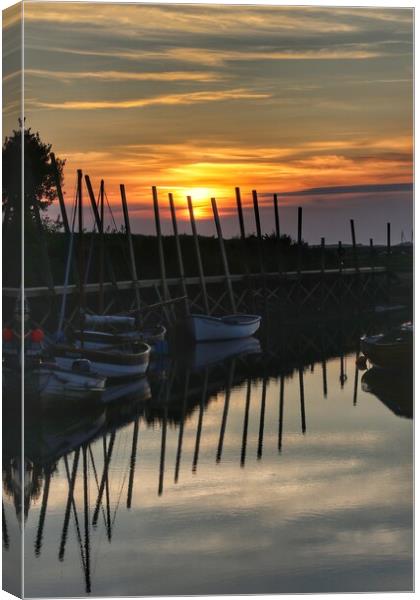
(243, 257)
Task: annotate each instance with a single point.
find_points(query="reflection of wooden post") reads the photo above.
(246, 419)
(42, 513)
(160, 244)
(198, 255)
(86, 515)
(133, 462)
(57, 182)
(68, 505)
(225, 412)
(200, 421)
(130, 246)
(302, 400)
(281, 413)
(371, 254)
(163, 450)
(324, 377)
(262, 419)
(6, 540)
(179, 253)
(181, 426)
(107, 462)
(356, 380)
(223, 254)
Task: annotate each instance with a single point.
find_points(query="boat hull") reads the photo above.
(204, 328)
(387, 355)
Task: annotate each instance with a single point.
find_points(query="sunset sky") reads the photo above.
(200, 99)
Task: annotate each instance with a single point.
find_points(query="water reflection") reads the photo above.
(268, 470)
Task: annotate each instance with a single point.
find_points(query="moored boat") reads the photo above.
(205, 328)
(393, 350)
(92, 338)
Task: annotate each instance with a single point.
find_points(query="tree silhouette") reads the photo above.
(39, 177)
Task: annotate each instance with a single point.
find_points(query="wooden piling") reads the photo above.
(179, 253)
(353, 242)
(240, 212)
(60, 195)
(276, 216)
(223, 254)
(198, 256)
(371, 254)
(299, 240)
(133, 267)
(101, 250)
(160, 245)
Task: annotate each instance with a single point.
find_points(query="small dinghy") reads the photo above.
(393, 350)
(114, 362)
(154, 336)
(204, 328)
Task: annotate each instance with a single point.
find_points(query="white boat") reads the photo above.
(204, 328)
(114, 361)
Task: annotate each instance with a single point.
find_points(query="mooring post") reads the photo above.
(223, 254)
(276, 216)
(60, 195)
(388, 244)
(198, 255)
(130, 245)
(260, 242)
(353, 241)
(160, 244)
(101, 250)
(179, 253)
(299, 265)
(322, 254)
(371, 254)
(240, 212)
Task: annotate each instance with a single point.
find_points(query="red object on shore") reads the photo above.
(37, 335)
(8, 334)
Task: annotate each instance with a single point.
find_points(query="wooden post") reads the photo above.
(101, 250)
(322, 254)
(130, 246)
(353, 241)
(299, 266)
(276, 216)
(179, 253)
(260, 243)
(340, 256)
(60, 193)
(223, 253)
(93, 203)
(198, 255)
(240, 212)
(372, 254)
(246, 420)
(160, 245)
(82, 302)
(388, 243)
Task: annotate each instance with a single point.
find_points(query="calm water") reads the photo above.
(248, 475)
